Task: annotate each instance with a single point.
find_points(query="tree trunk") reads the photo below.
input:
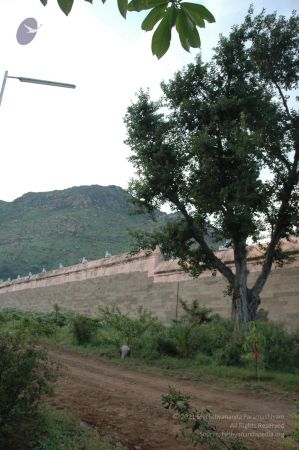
(243, 310)
(253, 303)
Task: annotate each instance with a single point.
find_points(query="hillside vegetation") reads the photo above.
(43, 230)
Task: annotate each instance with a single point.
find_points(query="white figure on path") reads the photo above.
(125, 351)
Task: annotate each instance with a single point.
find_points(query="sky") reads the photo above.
(55, 138)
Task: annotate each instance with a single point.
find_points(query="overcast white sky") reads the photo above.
(54, 138)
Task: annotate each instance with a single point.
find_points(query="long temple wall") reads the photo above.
(129, 281)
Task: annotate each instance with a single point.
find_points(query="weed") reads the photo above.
(197, 428)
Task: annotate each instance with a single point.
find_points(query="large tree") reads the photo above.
(222, 148)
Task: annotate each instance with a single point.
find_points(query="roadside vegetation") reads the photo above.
(27, 376)
(199, 346)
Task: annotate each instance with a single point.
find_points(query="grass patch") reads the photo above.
(56, 429)
(234, 378)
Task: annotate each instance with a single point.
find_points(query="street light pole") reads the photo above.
(35, 81)
(3, 86)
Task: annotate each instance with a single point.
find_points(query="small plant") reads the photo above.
(181, 334)
(183, 330)
(295, 433)
(197, 428)
(195, 314)
(83, 329)
(254, 345)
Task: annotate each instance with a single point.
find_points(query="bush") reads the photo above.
(183, 332)
(231, 352)
(165, 346)
(28, 325)
(25, 375)
(58, 318)
(280, 350)
(213, 336)
(183, 337)
(127, 330)
(83, 329)
(10, 314)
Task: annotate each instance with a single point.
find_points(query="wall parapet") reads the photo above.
(154, 265)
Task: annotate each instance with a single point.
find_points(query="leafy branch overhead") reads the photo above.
(186, 17)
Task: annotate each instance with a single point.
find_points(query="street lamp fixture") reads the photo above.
(35, 81)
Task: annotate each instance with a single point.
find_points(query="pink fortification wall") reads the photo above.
(129, 281)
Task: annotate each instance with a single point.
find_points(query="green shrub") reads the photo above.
(10, 314)
(59, 318)
(262, 315)
(127, 329)
(280, 350)
(25, 375)
(204, 360)
(28, 325)
(183, 337)
(83, 329)
(183, 333)
(166, 346)
(213, 336)
(231, 352)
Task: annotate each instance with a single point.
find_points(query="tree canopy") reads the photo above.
(222, 148)
(186, 17)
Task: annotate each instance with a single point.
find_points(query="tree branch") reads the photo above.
(213, 259)
(284, 101)
(279, 227)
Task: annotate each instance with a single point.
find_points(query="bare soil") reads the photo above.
(127, 404)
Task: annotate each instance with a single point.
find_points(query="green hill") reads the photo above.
(43, 230)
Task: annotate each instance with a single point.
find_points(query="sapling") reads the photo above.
(254, 345)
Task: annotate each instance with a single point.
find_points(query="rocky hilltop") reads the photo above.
(45, 229)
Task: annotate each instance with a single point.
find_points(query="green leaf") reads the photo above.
(199, 11)
(182, 27)
(193, 13)
(140, 5)
(123, 7)
(172, 12)
(187, 30)
(44, 2)
(89, 1)
(153, 17)
(162, 36)
(65, 5)
(194, 38)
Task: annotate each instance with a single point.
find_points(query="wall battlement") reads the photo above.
(132, 280)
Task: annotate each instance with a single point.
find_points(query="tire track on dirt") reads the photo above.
(128, 404)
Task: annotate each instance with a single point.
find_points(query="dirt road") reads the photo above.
(128, 405)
